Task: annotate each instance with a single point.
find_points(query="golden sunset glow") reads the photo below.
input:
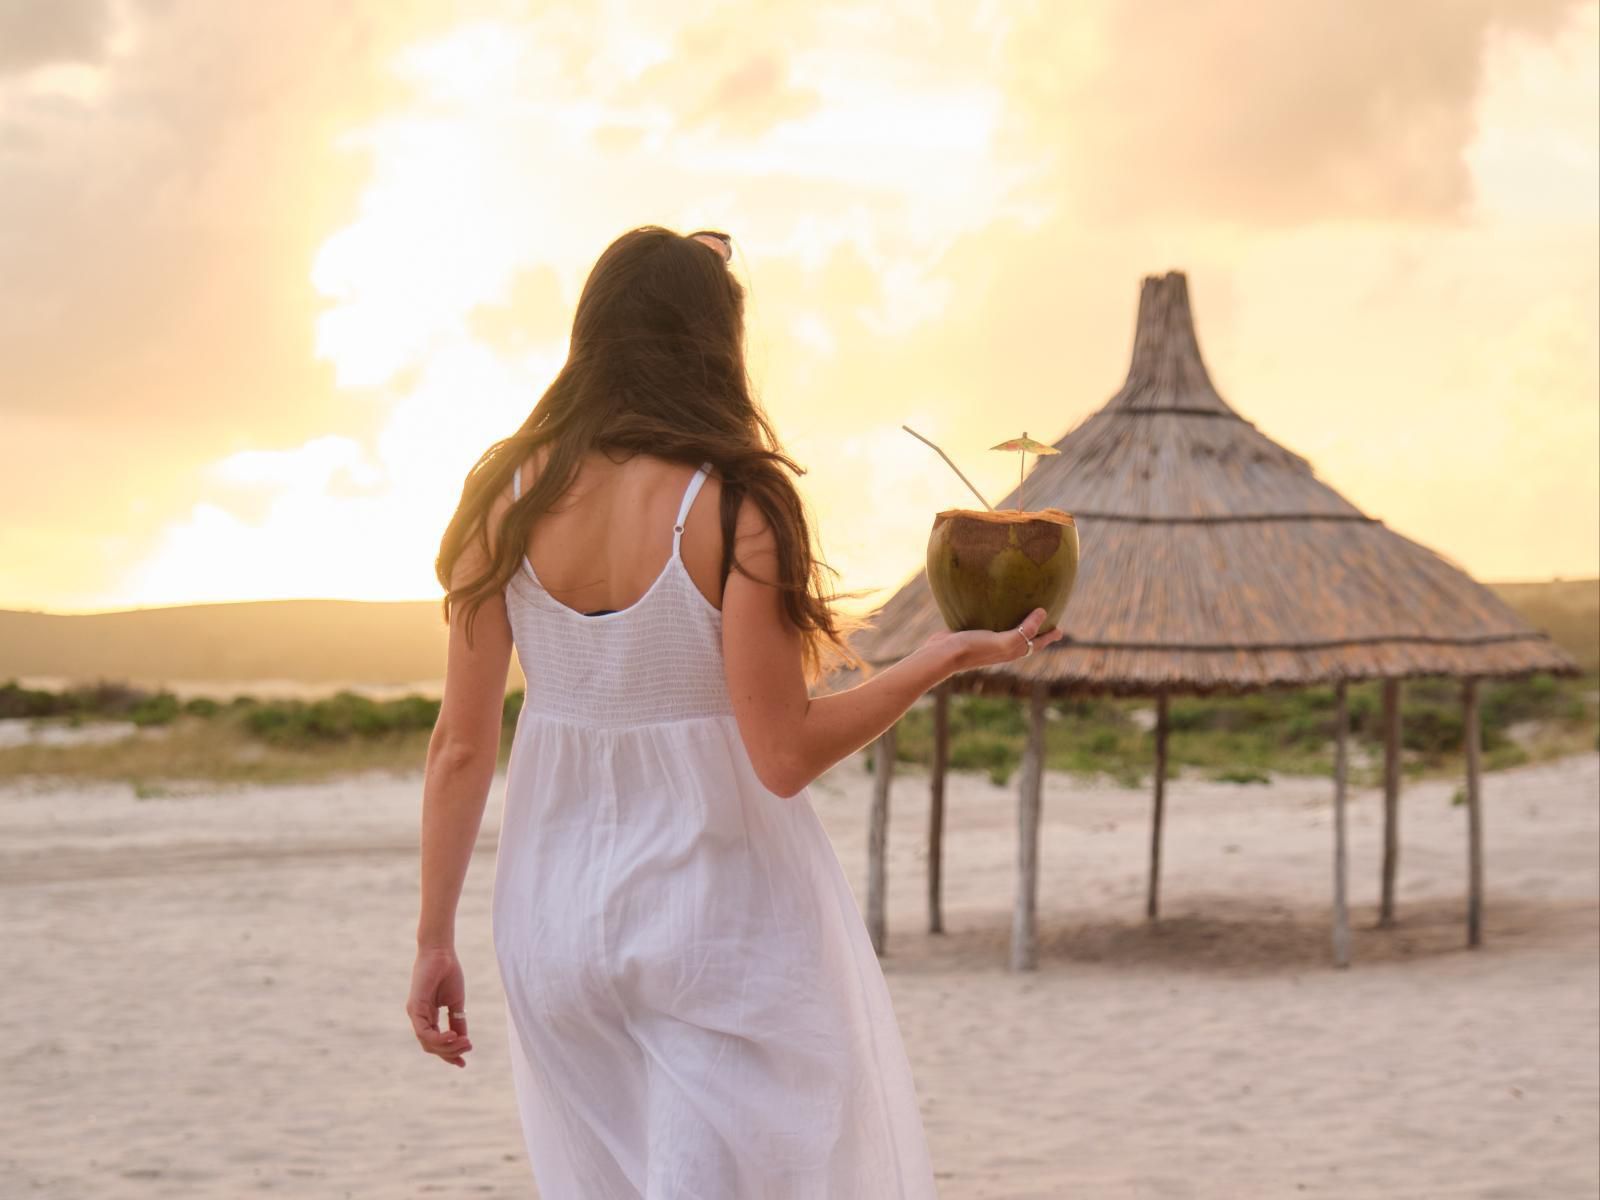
(345, 263)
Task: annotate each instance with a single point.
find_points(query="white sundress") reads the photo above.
(695, 1009)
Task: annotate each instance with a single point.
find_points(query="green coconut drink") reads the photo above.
(989, 568)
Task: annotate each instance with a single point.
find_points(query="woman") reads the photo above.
(694, 1005)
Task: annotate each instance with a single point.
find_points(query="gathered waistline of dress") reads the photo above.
(589, 725)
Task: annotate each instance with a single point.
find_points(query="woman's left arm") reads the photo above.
(462, 756)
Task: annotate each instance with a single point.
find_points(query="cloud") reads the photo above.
(156, 241)
(1537, 154)
(284, 270)
(315, 463)
(1242, 112)
(38, 33)
(722, 72)
(754, 96)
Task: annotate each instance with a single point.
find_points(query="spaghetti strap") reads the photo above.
(689, 493)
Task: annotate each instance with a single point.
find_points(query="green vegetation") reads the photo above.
(1240, 739)
(243, 740)
(1244, 739)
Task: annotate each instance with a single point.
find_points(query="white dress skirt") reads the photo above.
(695, 1008)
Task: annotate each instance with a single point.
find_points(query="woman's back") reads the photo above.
(603, 543)
(658, 656)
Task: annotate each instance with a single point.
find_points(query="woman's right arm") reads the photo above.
(791, 738)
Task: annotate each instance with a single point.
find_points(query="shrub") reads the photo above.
(508, 712)
(18, 701)
(1102, 742)
(273, 722)
(1507, 754)
(1185, 713)
(1431, 729)
(339, 717)
(988, 714)
(986, 751)
(105, 698)
(159, 709)
(1241, 775)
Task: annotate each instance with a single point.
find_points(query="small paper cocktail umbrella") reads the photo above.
(1025, 445)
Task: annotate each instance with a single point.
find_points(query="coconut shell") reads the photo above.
(989, 570)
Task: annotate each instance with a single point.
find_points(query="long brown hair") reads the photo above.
(656, 365)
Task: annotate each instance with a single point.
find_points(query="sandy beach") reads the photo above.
(209, 987)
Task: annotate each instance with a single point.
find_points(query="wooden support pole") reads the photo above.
(1391, 798)
(1341, 758)
(1469, 698)
(1024, 921)
(941, 757)
(878, 835)
(1152, 899)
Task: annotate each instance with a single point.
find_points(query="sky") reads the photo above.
(273, 276)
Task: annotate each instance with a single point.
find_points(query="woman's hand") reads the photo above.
(982, 647)
(437, 982)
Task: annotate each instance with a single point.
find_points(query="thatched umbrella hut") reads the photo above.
(1213, 560)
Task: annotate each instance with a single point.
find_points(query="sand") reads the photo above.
(207, 992)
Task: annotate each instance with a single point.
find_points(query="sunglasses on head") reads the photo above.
(723, 243)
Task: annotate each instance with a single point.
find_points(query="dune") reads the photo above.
(296, 646)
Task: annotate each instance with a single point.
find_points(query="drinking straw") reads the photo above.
(953, 466)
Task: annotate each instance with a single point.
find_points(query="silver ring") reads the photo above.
(458, 1016)
(1029, 640)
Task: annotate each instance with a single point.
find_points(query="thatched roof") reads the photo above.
(1214, 559)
